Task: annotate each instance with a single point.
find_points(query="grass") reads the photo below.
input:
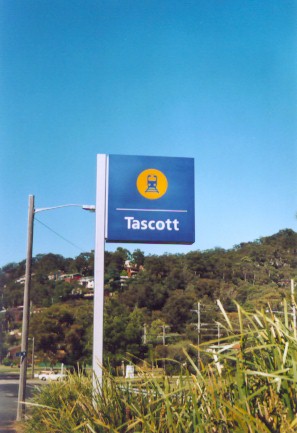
(249, 388)
(19, 427)
(9, 370)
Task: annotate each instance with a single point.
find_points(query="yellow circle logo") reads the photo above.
(152, 184)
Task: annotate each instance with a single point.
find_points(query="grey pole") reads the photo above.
(293, 307)
(144, 334)
(198, 334)
(33, 354)
(26, 315)
(102, 167)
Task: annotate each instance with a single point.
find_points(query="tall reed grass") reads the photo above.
(250, 386)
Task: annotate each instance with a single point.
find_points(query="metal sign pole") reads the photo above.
(99, 272)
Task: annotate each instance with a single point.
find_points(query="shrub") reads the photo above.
(249, 385)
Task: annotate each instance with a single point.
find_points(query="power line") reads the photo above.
(60, 236)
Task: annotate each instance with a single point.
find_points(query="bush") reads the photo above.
(249, 385)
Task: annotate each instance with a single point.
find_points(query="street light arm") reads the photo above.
(89, 207)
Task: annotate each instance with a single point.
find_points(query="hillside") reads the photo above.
(151, 302)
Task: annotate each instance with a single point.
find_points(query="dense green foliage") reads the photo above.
(250, 388)
(152, 314)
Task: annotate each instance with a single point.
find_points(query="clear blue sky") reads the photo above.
(209, 79)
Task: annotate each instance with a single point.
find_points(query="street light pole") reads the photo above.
(26, 314)
(26, 306)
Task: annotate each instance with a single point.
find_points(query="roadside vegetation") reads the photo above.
(227, 366)
(250, 387)
(151, 304)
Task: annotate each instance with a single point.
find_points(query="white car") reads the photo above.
(51, 375)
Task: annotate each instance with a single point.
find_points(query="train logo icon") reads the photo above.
(152, 184)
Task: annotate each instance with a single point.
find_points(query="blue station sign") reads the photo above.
(150, 200)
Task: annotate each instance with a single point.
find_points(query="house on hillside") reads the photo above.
(54, 276)
(17, 313)
(70, 278)
(87, 282)
(131, 268)
(12, 351)
(22, 279)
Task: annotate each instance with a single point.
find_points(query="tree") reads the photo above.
(177, 309)
(145, 291)
(13, 295)
(61, 333)
(155, 333)
(138, 258)
(84, 263)
(116, 318)
(45, 264)
(134, 334)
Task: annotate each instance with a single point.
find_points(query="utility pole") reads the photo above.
(198, 332)
(293, 306)
(26, 314)
(144, 338)
(33, 354)
(219, 332)
(163, 336)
